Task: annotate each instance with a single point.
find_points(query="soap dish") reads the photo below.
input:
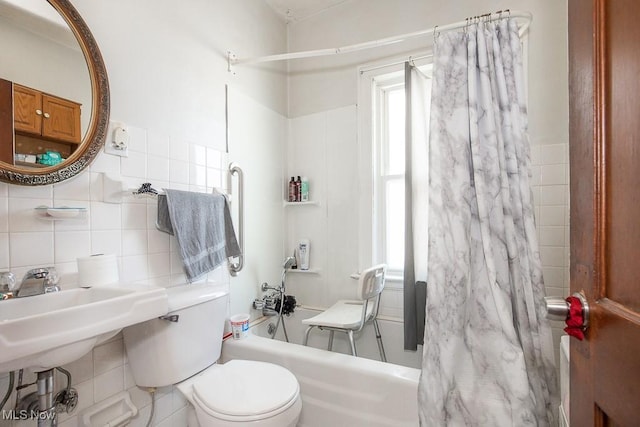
(62, 212)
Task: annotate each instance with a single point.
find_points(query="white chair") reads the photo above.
(350, 316)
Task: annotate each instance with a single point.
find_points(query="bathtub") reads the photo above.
(337, 389)
(391, 331)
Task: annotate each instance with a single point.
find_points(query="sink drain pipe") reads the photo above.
(47, 416)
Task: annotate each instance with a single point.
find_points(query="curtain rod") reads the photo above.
(232, 59)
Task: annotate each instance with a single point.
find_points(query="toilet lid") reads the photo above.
(246, 388)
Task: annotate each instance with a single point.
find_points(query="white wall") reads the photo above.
(39, 62)
(323, 97)
(167, 71)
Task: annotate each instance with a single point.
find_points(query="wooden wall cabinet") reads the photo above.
(42, 115)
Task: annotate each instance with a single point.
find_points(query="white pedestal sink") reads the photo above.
(49, 330)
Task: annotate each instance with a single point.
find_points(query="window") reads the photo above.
(389, 185)
(381, 110)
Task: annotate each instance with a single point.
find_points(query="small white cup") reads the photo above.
(239, 325)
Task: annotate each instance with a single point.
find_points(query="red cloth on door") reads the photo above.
(574, 320)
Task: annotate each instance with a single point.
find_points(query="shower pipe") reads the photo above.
(232, 59)
(235, 267)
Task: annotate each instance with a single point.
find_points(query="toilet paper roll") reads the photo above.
(98, 270)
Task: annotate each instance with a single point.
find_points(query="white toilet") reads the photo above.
(182, 348)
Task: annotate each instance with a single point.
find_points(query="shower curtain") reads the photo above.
(488, 352)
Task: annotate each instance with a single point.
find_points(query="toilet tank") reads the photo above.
(170, 349)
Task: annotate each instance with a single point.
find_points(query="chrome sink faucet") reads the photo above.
(38, 281)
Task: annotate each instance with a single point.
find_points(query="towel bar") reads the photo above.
(235, 267)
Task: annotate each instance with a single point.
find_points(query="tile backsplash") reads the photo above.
(127, 229)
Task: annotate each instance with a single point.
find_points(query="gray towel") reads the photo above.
(203, 228)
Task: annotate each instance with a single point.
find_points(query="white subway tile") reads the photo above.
(134, 268)
(215, 178)
(139, 397)
(134, 242)
(106, 163)
(34, 192)
(108, 356)
(180, 417)
(198, 176)
(554, 195)
(108, 383)
(553, 276)
(28, 249)
(134, 216)
(551, 235)
(23, 216)
(4, 251)
(178, 150)
(553, 174)
(179, 172)
(164, 407)
(137, 139)
(106, 242)
(157, 143)
(70, 245)
(159, 265)
(81, 369)
(553, 154)
(158, 241)
(157, 168)
(552, 256)
(4, 214)
(552, 215)
(76, 188)
(134, 166)
(105, 216)
(198, 154)
(215, 158)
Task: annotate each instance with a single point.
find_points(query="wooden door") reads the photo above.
(604, 84)
(61, 119)
(27, 110)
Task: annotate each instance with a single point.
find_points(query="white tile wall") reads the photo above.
(127, 229)
(550, 159)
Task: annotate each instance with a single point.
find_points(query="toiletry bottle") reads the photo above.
(292, 190)
(303, 254)
(304, 189)
(298, 189)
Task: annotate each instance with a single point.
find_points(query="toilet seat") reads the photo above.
(244, 390)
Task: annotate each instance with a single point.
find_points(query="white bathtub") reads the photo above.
(337, 389)
(391, 331)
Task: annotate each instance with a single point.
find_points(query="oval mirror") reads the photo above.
(54, 92)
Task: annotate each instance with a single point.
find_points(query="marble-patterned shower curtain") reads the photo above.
(488, 352)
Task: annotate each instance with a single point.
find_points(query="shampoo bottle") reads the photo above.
(292, 190)
(303, 254)
(298, 189)
(304, 189)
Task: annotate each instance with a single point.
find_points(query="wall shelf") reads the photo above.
(60, 213)
(310, 202)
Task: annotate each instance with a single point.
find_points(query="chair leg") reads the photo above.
(352, 342)
(383, 357)
(306, 334)
(330, 346)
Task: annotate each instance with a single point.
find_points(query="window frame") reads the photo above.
(372, 80)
